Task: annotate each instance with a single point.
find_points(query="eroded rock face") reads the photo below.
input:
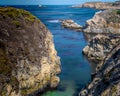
(99, 47)
(101, 5)
(71, 25)
(107, 21)
(107, 79)
(28, 59)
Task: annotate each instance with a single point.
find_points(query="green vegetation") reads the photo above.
(114, 16)
(114, 90)
(16, 23)
(118, 12)
(16, 13)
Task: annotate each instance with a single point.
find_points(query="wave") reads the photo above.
(54, 21)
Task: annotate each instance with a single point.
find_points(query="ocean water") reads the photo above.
(76, 69)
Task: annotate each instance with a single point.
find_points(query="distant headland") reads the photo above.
(100, 5)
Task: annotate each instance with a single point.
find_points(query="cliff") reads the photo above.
(100, 5)
(28, 59)
(100, 46)
(107, 21)
(106, 80)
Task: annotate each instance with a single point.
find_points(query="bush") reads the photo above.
(118, 12)
(16, 23)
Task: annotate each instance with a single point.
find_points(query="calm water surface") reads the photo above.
(76, 69)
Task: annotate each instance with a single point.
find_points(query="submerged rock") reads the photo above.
(71, 25)
(28, 59)
(107, 21)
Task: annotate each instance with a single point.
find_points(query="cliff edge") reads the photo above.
(107, 21)
(104, 51)
(28, 59)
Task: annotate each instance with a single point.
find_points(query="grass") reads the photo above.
(114, 16)
(16, 23)
(118, 11)
(16, 13)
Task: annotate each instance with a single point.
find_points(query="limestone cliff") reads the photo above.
(101, 5)
(107, 21)
(28, 59)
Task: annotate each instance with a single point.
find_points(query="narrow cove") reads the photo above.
(76, 69)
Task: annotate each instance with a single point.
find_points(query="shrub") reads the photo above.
(16, 23)
(118, 12)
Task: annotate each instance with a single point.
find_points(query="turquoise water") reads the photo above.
(76, 69)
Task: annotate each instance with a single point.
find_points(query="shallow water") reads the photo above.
(76, 69)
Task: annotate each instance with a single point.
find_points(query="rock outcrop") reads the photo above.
(107, 21)
(104, 50)
(28, 59)
(106, 81)
(100, 5)
(71, 25)
(100, 46)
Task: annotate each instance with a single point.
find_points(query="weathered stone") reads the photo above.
(106, 81)
(83, 93)
(54, 82)
(28, 58)
(71, 25)
(99, 47)
(107, 21)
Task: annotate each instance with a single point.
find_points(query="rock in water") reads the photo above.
(28, 59)
(71, 25)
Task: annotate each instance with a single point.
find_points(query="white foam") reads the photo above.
(54, 21)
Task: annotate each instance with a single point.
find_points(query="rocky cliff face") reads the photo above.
(107, 21)
(28, 59)
(105, 52)
(106, 81)
(99, 46)
(101, 5)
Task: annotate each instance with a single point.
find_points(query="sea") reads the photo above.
(75, 68)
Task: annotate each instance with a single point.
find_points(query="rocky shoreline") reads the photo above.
(28, 59)
(99, 5)
(104, 51)
(107, 21)
(106, 80)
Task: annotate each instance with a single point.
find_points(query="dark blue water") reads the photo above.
(76, 69)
